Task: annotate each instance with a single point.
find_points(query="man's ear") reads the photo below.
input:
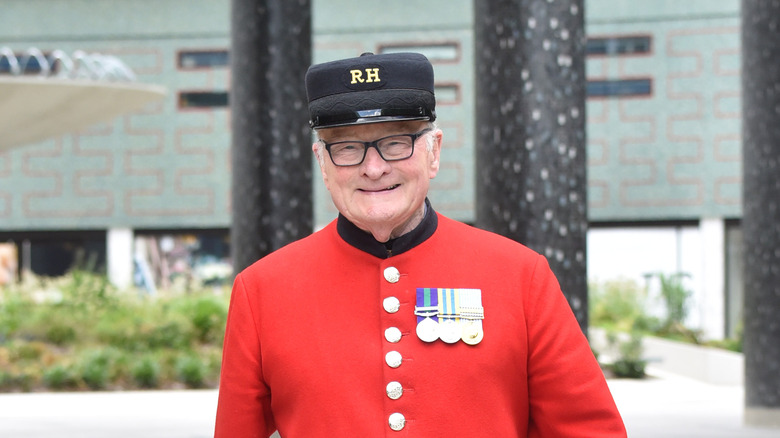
(316, 147)
(435, 153)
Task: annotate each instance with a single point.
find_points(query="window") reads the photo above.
(618, 45)
(203, 99)
(203, 59)
(619, 88)
(447, 94)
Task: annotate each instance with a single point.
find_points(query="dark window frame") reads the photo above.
(619, 88)
(213, 59)
(624, 45)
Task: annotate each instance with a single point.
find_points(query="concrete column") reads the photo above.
(713, 305)
(530, 137)
(272, 188)
(761, 208)
(119, 256)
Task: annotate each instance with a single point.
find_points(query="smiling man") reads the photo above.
(394, 320)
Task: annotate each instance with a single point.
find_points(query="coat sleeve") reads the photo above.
(568, 393)
(244, 404)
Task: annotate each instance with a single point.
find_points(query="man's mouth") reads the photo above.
(386, 189)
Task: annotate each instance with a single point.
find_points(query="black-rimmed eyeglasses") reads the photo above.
(391, 148)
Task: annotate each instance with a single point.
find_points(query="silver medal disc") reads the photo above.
(450, 331)
(428, 330)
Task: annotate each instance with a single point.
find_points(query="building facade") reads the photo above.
(148, 194)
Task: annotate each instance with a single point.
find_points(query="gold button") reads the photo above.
(392, 275)
(394, 390)
(391, 304)
(393, 359)
(397, 421)
(393, 335)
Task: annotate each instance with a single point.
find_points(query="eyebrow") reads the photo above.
(402, 130)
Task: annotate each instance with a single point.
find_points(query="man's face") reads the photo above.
(383, 198)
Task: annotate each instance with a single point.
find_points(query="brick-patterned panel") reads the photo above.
(675, 153)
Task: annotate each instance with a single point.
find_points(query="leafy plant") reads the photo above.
(60, 377)
(146, 372)
(618, 305)
(675, 296)
(191, 371)
(94, 372)
(630, 363)
(209, 317)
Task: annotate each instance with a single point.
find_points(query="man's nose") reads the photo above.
(374, 165)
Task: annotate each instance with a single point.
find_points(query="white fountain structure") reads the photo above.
(47, 95)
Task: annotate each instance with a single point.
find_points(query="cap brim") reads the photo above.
(371, 107)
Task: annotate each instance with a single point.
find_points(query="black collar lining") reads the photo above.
(365, 241)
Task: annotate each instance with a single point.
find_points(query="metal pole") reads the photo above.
(530, 92)
(271, 179)
(761, 209)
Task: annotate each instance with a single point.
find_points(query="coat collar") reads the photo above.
(365, 241)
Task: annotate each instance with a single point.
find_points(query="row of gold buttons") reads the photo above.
(394, 389)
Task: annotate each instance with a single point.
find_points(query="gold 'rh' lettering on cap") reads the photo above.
(372, 75)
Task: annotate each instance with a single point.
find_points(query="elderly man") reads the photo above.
(394, 320)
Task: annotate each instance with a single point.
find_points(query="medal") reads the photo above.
(472, 313)
(450, 315)
(427, 310)
(472, 332)
(449, 327)
(428, 330)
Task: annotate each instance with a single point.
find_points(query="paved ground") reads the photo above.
(663, 406)
(671, 406)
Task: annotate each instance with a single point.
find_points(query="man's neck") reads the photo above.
(385, 234)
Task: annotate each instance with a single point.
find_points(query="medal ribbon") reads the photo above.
(449, 305)
(427, 304)
(471, 304)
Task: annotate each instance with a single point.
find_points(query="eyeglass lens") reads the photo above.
(392, 148)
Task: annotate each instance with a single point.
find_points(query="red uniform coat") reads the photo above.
(305, 347)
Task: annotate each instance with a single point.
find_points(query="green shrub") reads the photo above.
(60, 377)
(5, 380)
(208, 318)
(146, 372)
(630, 363)
(191, 371)
(86, 291)
(172, 332)
(676, 297)
(19, 378)
(60, 334)
(14, 308)
(616, 304)
(97, 368)
(145, 326)
(32, 351)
